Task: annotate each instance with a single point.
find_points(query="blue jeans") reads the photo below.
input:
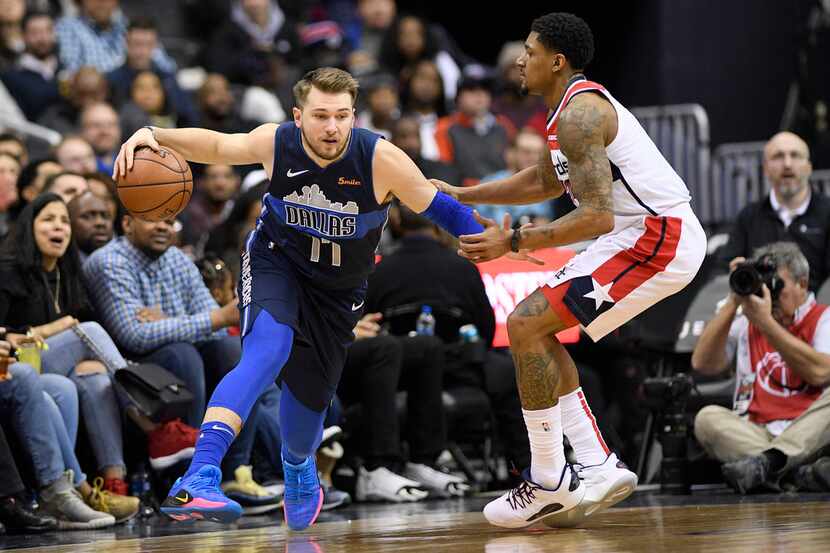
(62, 409)
(22, 400)
(98, 401)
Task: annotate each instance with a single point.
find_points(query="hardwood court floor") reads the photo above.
(725, 523)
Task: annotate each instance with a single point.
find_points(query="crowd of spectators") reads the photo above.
(92, 289)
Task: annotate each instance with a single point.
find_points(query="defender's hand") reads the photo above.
(124, 159)
(448, 189)
(492, 243)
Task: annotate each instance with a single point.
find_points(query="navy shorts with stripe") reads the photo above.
(322, 319)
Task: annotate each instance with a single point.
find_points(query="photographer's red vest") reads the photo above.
(778, 392)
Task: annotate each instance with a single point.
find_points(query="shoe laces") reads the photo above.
(522, 495)
(99, 497)
(201, 481)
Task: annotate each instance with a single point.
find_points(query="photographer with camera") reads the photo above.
(781, 347)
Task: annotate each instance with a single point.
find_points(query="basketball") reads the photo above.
(158, 186)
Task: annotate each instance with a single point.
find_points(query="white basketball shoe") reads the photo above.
(529, 502)
(606, 484)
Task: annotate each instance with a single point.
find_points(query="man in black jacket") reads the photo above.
(792, 212)
(453, 282)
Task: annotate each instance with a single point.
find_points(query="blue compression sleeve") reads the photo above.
(301, 428)
(264, 351)
(452, 216)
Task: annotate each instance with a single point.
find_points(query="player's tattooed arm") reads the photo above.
(583, 128)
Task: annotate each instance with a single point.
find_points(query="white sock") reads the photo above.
(580, 427)
(547, 458)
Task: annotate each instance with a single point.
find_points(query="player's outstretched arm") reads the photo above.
(583, 128)
(395, 174)
(528, 186)
(202, 146)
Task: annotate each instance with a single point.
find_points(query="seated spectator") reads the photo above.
(41, 286)
(322, 46)
(142, 41)
(59, 479)
(11, 32)
(218, 279)
(406, 135)
(781, 347)
(148, 105)
(423, 97)
(383, 105)
(472, 139)
(9, 173)
(66, 184)
(229, 238)
(60, 411)
(33, 80)
(15, 515)
(257, 31)
(524, 152)
(210, 207)
(376, 368)
(522, 109)
(153, 301)
(410, 40)
(455, 283)
(76, 155)
(792, 212)
(86, 87)
(12, 144)
(102, 185)
(97, 37)
(364, 34)
(91, 223)
(33, 179)
(101, 127)
(217, 107)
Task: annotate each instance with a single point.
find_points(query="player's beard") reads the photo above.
(336, 155)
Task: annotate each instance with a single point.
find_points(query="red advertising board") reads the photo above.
(508, 282)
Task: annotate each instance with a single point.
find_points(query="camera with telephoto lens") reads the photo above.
(749, 276)
(667, 397)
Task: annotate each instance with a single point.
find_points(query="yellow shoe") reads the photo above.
(254, 499)
(121, 507)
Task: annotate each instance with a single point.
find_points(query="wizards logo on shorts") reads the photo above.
(312, 212)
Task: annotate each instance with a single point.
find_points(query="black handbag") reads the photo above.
(156, 392)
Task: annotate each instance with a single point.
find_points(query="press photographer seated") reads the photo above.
(780, 344)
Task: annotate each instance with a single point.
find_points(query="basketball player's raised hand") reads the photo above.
(124, 159)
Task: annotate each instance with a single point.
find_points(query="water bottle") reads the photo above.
(469, 334)
(141, 487)
(425, 325)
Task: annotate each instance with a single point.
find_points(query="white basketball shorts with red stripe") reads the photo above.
(625, 272)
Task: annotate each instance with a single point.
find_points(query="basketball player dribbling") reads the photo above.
(649, 245)
(303, 276)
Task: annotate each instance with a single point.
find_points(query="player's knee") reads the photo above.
(520, 326)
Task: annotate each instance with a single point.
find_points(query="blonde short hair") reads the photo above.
(325, 79)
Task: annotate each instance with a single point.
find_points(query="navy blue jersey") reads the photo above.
(325, 220)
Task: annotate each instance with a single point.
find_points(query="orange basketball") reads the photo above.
(158, 186)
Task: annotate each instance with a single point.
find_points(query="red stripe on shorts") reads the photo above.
(651, 254)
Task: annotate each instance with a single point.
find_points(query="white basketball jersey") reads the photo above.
(643, 181)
